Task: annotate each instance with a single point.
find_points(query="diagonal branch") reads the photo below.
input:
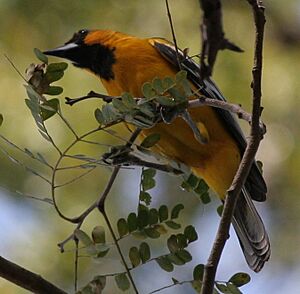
(247, 159)
(26, 279)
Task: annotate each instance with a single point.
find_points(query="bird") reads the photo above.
(124, 63)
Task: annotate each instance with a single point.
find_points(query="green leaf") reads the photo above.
(185, 186)
(160, 228)
(220, 210)
(140, 235)
(109, 113)
(197, 285)
(32, 94)
(98, 234)
(29, 153)
(122, 282)
(102, 250)
(198, 272)
(54, 90)
(53, 76)
(1, 119)
(180, 76)
(83, 237)
(186, 87)
(119, 105)
(40, 55)
(132, 222)
(150, 140)
(153, 216)
(173, 225)
(240, 279)
(202, 187)
(148, 183)
(184, 255)
(163, 213)
(205, 198)
(149, 172)
(143, 207)
(165, 263)
(168, 82)
(134, 256)
(142, 219)
(172, 244)
(190, 233)
(152, 233)
(128, 100)
(147, 110)
(158, 85)
(175, 259)
(99, 116)
(145, 197)
(97, 285)
(193, 181)
(49, 108)
(222, 287)
(148, 90)
(233, 288)
(176, 210)
(57, 66)
(145, 252)
(177, 95)
(182, 240)
(122, 227)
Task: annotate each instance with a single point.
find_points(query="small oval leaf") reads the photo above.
(98, 235)
(40, 55)
(165, 263)
(122, 227)
(134, 256)
(122, 282)
(145, 252)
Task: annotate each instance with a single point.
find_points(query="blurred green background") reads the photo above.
(30, 230)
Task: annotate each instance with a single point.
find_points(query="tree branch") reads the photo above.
(213, 37)
(247, 159)
(26, 279)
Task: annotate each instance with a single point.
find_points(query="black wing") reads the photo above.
(255, 183)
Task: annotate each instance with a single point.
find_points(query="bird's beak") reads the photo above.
(66, 51)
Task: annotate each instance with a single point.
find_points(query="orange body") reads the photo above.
(217, 161)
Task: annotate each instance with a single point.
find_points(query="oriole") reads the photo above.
(124, 63)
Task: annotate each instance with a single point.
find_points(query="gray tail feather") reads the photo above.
(251, 232)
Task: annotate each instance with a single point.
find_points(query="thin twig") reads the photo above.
(231, 107)
(76, 260)
(101, 207)
(170, 286)
(173, 33)
(247, 159)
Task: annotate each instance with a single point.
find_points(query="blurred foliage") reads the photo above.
(26, 24)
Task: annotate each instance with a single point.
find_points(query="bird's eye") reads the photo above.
(82, 32)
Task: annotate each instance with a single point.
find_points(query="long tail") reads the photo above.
(251, 232)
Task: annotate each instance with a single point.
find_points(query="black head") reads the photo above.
(93, 56)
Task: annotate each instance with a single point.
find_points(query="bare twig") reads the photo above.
(213, 37)
(173, 33)
(101, 207)
(231, 107)
(247, 159)
(26, 279)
